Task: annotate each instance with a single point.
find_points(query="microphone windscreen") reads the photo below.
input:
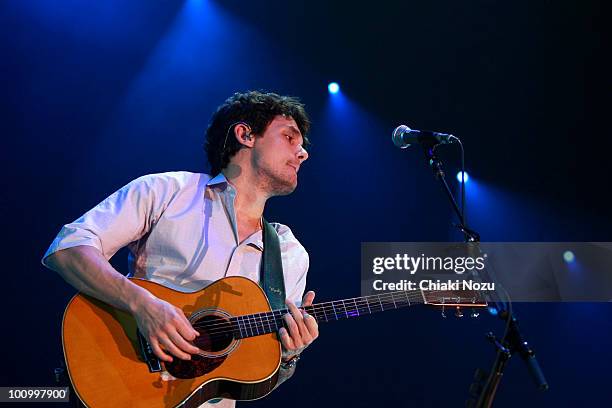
(397, 136)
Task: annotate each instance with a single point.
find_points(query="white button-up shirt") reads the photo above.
(181, 231)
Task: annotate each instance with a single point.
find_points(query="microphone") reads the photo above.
(403, 137)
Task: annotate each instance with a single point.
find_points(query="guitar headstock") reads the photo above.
(455, 299)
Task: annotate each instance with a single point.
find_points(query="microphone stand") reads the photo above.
(429, 148)
(512, 341)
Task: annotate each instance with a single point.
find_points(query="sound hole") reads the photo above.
(215, 336)
(216, 333)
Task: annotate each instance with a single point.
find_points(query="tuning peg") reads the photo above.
(458, 312)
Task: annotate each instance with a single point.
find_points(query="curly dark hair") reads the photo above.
(255, 108)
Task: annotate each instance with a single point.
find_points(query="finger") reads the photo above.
(308, 298)
(185, 328)
(159, 352)
(294, 331)
(186, 331)
(167, 344)
(286, 340)
(295, 313)
(298, 316)
(182, 344)
(312, 326)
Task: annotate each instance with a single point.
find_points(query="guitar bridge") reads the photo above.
(147, 354)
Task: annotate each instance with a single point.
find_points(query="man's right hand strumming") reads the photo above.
(166, 328)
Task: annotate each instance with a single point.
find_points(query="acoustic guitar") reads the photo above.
(111, 365)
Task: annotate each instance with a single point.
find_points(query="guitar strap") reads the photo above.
(271, 275)
(272, 268)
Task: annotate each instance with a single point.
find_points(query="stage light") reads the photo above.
(492, 310)
(333, 87)
(569, 257)
(467, 177)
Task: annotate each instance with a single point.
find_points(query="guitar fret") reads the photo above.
(280, 318)
(382, 308)
(312, 312)
(242, 335)
(257, 316)
(325, 314)
(368, 304)
(334, 307)
(234, 322)
(393, 299)
(344, 306)
(356, 307)
(262, 323)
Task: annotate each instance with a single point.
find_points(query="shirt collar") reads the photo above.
(257, 239)
(218, 179)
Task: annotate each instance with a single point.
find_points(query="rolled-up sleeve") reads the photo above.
(124, 217)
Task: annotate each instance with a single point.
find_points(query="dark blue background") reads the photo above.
(96, 93)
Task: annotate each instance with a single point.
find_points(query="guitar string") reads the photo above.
(272, 323)
(255, 330)
(346, 304)
(339, 304)
(260, 328)
(255, 324)
(260, 319)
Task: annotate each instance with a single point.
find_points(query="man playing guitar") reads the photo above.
(187, 230)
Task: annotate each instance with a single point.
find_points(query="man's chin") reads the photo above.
(280, 184)
(285, 187)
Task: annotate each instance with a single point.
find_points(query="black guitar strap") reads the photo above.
(272, 268)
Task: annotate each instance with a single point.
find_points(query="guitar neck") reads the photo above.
(268, 322)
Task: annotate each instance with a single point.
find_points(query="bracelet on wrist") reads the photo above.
(291, 362)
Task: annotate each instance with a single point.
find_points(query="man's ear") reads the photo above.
(243, 134)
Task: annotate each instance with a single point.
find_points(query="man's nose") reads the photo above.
(302, 154)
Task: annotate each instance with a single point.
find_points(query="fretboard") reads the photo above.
(268, 322)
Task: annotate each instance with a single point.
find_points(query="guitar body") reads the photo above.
(107, 368)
